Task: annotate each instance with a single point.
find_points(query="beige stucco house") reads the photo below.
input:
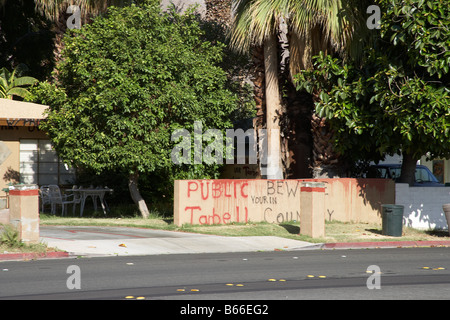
(26, 154)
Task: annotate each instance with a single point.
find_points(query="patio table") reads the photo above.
(94, 193)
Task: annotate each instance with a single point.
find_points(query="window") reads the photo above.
(422, 175)
(395, 173)
(39, 164)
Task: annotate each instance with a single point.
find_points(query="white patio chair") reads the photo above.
(57, 198)
(76, 199)
(45, 198)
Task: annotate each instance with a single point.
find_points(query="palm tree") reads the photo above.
(255, 24)
(313, 26)
(11, 86)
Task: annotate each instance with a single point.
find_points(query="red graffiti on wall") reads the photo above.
(218, 188)
(196, 216)
(204, 190)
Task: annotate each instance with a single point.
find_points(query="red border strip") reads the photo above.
(33, 255)
(312, 189)
(386, 244)
(33, 192)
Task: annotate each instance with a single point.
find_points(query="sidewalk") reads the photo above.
(75, 241)
(101, 241)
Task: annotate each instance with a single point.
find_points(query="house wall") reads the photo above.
(423, 206)
(439, 168)
(10, 136)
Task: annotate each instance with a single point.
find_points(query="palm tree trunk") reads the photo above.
(59, 30)
(326, 161)
(273, 109)
(259, 87)
(298, 133)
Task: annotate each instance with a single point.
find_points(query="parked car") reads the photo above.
(424, 177)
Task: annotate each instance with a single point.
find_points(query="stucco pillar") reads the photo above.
(312, 209)
(24, 211)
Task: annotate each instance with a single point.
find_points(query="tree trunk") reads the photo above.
(273, 109)
(326, 161)
(136, 195)
(259, 87)
(408, 174)
(298, 133)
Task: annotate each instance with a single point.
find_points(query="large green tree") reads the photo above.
(398, 99)
(126, 82)
(58, 12)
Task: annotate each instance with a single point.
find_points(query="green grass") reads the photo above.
(128, 216)
(36, 248)
(156, 221)
(10, 242)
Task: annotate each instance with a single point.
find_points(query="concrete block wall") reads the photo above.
(423, 206)
(357, 200)
(277, 201)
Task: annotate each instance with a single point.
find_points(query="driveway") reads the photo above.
(112, 241)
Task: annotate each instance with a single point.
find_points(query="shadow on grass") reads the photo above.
(291, 228)
(433, 233)
(376, 231)
(438, 233)
(115, 211)
(169, 221)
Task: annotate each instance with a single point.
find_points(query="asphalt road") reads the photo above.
(405, 273)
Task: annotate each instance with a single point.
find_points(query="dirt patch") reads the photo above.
(346, 232)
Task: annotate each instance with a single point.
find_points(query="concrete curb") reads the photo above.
(312, 246)
(33, 256)
(385, 244)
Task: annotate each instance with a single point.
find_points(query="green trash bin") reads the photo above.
(392, 220)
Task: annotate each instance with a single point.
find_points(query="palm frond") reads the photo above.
(341, 24)
(254, 21)
(23, 81)
(5, 73)
(10, 85)
(17, 91)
